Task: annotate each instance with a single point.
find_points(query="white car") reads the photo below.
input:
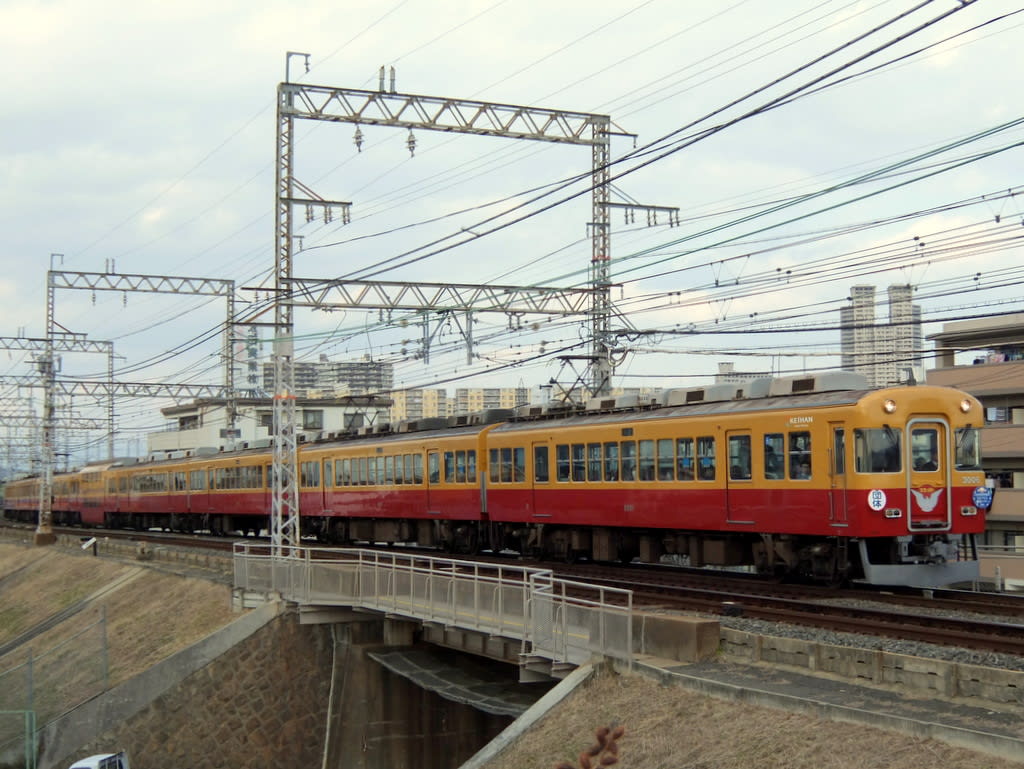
(103, 761)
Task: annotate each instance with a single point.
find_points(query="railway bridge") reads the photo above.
(508, 612)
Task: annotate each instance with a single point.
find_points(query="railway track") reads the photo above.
(973, 620)
(948, 621)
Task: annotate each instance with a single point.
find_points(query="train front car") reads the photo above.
(915, 495)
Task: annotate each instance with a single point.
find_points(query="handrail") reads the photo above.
(562, 619)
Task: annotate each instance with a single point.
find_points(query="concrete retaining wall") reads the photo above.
(921, 674)
(267, 692)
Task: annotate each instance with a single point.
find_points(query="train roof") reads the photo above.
(766, 394)
(839, 398)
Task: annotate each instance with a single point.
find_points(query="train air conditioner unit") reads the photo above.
(826, 381)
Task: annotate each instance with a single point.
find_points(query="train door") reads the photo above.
(837, 513)
(326, 484)
(929, 507)
(541, 474)
(739, 502)
(433, 479)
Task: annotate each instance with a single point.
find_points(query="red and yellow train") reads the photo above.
(791, 476)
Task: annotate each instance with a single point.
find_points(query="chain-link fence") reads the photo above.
(18, 738)
(50, 682)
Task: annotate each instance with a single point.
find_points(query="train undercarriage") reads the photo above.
(923, 560)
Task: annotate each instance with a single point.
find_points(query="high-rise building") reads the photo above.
(882, 351)
(327, 378)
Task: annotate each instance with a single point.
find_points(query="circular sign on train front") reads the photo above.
(982, 497)
(876, 500)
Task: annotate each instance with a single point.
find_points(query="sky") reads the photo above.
(809, 146)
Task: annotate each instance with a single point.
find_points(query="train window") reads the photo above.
(646, 460)
(541, 473)
(471, 465)
(449, 467)
(684, 459)
(371, 471)
(389, 470)
(399, 471)
(627, 451)
(562, 462)
(341, 468)
(328, 472)
(924, 448)
(309, 474)
(839, 450)
(380, 470)
(255, 477)
(506, 465)
(706, 458)
(774, 456)
(666, 460)
(968, 449)
(417, 468)
(611, 461)
(435, 467)
(122, 484)
(579, 462)
(800, 455)
(179, 481)
(364, 472)
(518, 464)
(593, 462)
(409, 476)
(460, 466)
(877, 450)
(739, 457)
(494, 471)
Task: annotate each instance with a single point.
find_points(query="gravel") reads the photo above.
(862, 641)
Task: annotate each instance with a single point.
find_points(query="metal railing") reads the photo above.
(556, 619)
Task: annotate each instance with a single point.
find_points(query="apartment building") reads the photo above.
(326, 378)
(985, 357)
(419, 403)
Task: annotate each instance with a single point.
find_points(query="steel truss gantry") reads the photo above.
(388, 108)
(449, 115)
(439, 302)
(70, 342)
(112, 281)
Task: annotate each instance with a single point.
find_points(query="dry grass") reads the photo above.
(149, 616)
(154, 615)
(669, 727)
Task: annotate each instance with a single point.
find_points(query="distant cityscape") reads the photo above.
(884, 346)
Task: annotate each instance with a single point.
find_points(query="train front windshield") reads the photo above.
(968, 449)
(878, 450)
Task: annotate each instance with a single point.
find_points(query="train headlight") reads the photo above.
(965, 405)
(889, 406)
